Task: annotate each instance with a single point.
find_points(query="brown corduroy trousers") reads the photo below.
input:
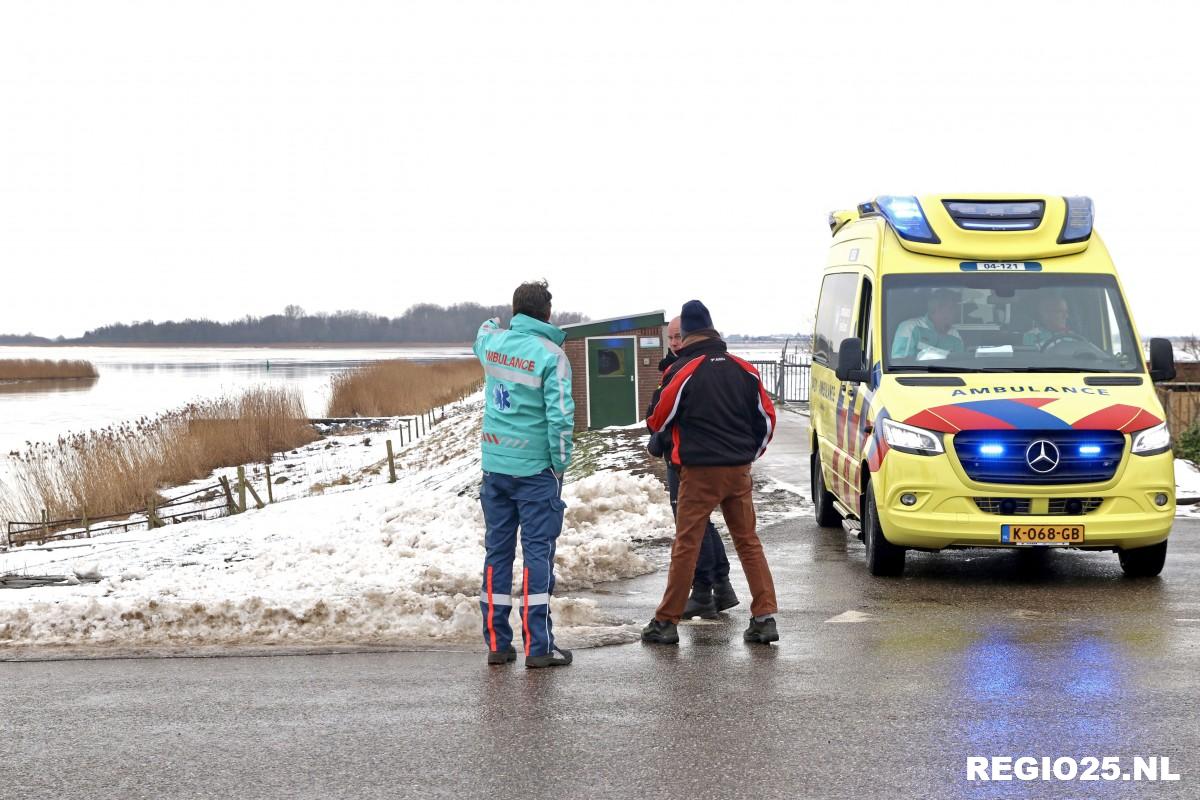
(702, 489)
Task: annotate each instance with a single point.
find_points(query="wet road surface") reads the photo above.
(879, 688)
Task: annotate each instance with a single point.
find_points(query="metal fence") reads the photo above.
(785, 380)
(225, 496)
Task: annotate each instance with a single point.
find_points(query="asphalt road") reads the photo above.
(969, 654)
(878, 688)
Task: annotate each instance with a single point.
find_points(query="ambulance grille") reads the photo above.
(1022, 506)
(1074, 505)
(1003, 505)
(1082, 456)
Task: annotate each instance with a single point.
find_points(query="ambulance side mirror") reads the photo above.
(850, 361)
(1162, 360)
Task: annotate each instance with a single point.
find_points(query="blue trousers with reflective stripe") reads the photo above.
(534, 505)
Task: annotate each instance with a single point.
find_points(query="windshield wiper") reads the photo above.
(932, 368)
(1043, 369)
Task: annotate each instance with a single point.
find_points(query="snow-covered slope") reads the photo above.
(376, 565)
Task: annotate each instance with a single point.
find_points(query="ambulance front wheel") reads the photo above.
(883, 558)
(1144, 562)
(827, 516)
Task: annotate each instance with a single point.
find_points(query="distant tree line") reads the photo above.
(423, 323)
(28, 338)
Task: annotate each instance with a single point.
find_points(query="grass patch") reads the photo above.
(33, 369)
(399, 387)
(119, 469)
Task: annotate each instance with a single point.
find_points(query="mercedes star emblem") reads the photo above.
(1041, 456)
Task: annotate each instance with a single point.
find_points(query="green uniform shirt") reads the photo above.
(916, 335)
(529, 415)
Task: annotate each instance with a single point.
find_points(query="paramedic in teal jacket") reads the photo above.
(528, 424)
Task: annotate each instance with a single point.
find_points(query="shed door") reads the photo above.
(612, 384)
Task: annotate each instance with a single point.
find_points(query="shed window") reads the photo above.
(610, 363)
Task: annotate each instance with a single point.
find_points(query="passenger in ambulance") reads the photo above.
(931, 336)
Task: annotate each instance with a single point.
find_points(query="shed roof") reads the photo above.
(615, 325)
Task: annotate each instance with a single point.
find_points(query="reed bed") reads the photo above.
(399, 387)
(120, 468)
(33, 369)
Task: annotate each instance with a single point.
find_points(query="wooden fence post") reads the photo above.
(241, 473)
(270, 491)
(152, 520)
(45, 524)
(257, 500)
(233, 509)
(391, 463)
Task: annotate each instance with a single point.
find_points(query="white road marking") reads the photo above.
(852, 616)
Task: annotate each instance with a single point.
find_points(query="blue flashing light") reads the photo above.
(1089, 449)
(991, 449)
(1077, 225)
(907, 218)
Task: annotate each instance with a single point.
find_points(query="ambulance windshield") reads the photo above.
(1006, 322)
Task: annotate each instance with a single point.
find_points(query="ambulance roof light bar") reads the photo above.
(907, 218)
(1077, 226)
(996, 215)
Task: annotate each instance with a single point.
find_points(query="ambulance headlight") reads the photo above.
(911, 439)
(1152, 441)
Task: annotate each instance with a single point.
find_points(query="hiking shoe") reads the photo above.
(701, 604)
(723, 595)
(763, 632)
(657, 632)
(502, 656)
(563, 658)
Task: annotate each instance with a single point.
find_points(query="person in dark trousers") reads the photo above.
(527, 442)
(721, 419)
(712, 592)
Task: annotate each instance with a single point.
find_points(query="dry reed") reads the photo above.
(394, 388)
(120, 468)
(31, 369)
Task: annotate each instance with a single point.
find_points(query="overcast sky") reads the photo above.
(160, 160)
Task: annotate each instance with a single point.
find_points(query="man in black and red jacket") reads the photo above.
(712, 592)
(720, 420)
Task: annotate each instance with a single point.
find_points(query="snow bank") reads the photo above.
(376, 566)
(363, 565)
(1187, 486)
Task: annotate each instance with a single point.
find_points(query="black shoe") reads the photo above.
(660, 633)
(701, 604)
(724, 596)
(502, 656)
(563, 658)
(763, 632)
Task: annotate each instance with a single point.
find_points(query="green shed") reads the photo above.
(614, 366)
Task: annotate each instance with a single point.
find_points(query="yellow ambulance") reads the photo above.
(977, 381)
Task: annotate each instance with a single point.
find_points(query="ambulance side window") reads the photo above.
(864, 322)
(835, 311)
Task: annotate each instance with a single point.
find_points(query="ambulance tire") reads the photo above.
(827, 516)
(884, 559)
(1144, 562)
